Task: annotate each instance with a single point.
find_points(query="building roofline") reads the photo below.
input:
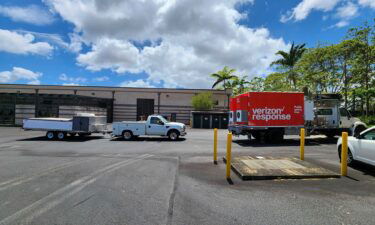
(112, 87)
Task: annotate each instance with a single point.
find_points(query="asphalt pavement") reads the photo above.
(104, 180)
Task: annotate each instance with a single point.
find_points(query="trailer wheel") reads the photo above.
(127, 135)
(61, 135)
(50, 135)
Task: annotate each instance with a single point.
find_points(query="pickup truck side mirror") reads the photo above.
(161, 123)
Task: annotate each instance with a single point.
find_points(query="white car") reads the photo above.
(360, 148)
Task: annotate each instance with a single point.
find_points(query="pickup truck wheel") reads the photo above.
(50, 135)
(127, 135)
(173, 135)
(61, 135)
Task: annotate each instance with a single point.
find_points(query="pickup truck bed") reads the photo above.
(137, 127)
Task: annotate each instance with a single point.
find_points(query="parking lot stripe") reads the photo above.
(29, 213)
(20, 180)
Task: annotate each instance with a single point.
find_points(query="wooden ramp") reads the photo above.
(268, 168)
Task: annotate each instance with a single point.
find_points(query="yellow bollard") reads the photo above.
(215, 146)
(229, 154)
(302, 145)
(344, 154)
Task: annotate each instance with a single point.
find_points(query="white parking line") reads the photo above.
(20, 180)
(29, 213)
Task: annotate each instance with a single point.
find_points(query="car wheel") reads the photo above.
(127, 135)
(50, 135)
(173, 135)
(60, 135)
(350, 159)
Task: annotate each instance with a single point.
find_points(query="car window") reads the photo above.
(344, 112)
(155, 120)
(369, 135)
(324, 112)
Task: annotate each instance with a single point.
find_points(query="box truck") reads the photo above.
(268, 116)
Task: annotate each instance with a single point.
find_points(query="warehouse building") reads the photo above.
(19, 101)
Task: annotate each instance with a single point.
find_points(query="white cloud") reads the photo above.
(19, 43)
(20, 74)
(117, 55)
(342, 23)
(190, 38)
(32, 14)
(64, 77)
(70, 84)
(137, 83)
(75, 44)
(347, 11)
(367, 3)
(101, 79)
(304, 8)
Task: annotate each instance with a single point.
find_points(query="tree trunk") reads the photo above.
(353, 99)
(345, 85)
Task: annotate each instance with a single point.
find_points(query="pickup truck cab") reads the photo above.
(155, 125)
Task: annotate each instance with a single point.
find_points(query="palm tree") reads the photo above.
(239, 84)
(223, 76)
(289, 60)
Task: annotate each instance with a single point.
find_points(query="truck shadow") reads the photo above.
(286, 142)
(68, 139)
(153, 139)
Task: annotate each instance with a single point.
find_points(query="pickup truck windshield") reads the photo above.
(163, 119)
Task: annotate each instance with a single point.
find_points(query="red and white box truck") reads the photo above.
(269, 116)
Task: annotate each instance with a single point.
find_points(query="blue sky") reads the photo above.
(161, 43)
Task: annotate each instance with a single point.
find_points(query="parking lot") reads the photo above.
(99, 180)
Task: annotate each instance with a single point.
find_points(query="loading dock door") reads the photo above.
(145, 107)
(7, 114)
(206, 123)
(224, 121)
(216, 121)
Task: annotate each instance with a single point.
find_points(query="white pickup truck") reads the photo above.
(155, 125)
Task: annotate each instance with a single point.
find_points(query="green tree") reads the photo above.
(320, 69)
(239, 85)
(257, 84)
(224, 76)
(288, 60)
(202, 101)
(277, 82)
(363, 38)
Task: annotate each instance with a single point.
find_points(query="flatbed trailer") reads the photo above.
(60, 128)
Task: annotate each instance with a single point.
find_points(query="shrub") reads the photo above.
(368, 120)
(202, 101)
